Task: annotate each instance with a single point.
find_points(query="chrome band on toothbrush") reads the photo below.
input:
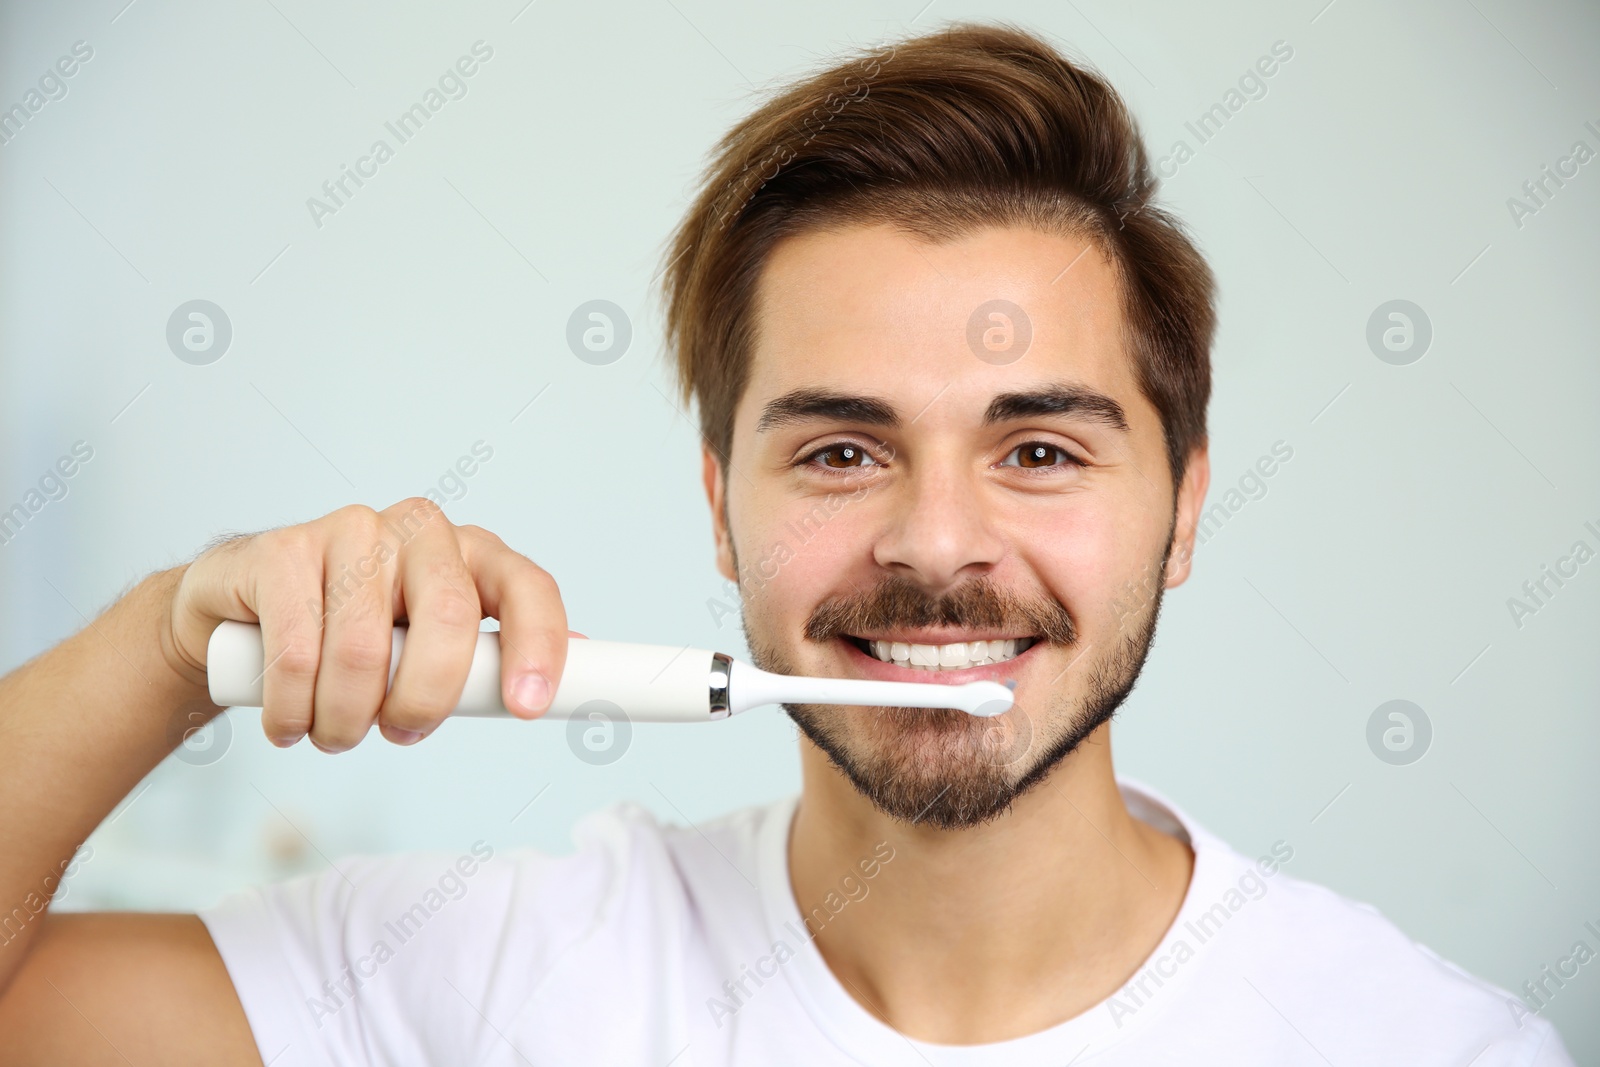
(721, 672)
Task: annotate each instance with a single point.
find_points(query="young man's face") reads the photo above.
(901, 473)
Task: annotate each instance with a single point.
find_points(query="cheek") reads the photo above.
(793, 552)
(1091, 559)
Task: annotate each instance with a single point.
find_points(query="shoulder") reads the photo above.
(1334, 968)
(1318, 955)
(624, 857)
(344, 960)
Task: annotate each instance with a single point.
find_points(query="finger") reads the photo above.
(443, 613)
(533, 620)
(358, 627)
(284, 589)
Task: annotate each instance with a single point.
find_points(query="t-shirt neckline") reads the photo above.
(861, 1035)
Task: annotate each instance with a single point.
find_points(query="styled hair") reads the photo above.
(969, 126)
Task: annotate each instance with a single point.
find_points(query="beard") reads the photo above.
(942, 767)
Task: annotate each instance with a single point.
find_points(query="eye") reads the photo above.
(1039, 455)
(841, 456)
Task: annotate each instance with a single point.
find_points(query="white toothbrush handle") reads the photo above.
(649, 683)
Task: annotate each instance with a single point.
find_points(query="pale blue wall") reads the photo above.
(377, 349)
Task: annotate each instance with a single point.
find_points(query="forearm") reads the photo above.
(80, 725)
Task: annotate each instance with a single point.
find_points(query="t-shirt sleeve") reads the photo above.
(398, 959)
(1549, 1050)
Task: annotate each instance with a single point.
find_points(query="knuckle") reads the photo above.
(486, 541)
(361, 652)
(420, 707)
(227, 545)
(291, 547)
(413, 713)
(298, 660)
(447, 577)
(357, 518)
(421, 510)
(540, 579)
(458, 612)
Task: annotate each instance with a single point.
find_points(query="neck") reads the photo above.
(993, 932)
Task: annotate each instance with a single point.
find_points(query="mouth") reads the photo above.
(963, 661)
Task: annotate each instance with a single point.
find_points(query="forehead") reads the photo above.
(872, 308)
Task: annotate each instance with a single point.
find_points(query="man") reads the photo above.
(952, 366)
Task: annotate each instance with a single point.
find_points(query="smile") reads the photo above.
(953, 656)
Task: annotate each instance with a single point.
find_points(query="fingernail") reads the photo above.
(531, 691)
(403, 737)
(288, 741)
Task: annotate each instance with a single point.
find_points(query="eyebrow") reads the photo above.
(806, 405)
(1062, 398)
(1059, 399)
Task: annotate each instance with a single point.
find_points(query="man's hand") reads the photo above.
(124, 987)
(327, 595)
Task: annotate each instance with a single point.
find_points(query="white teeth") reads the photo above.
(951, 657)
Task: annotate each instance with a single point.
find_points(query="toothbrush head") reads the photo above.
(990, 698)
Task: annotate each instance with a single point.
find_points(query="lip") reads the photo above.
(870, 666)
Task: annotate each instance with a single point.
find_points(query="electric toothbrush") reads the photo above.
(650, 683)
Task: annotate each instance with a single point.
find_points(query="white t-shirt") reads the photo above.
(665, 945)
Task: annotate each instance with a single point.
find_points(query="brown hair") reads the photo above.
(968, 126)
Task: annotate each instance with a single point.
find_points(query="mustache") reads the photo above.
(979, 604)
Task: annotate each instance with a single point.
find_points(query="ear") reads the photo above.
(716, 489)
(1191, 497)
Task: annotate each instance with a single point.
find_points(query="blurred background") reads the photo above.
(1402, 217)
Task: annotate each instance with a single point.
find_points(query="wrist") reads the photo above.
(158, 601)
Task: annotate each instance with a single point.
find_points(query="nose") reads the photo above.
(941, 533)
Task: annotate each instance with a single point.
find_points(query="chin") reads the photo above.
(936, 767)
(944, 768)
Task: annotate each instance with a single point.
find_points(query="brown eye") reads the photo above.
(843, 456)
(1037, 455)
